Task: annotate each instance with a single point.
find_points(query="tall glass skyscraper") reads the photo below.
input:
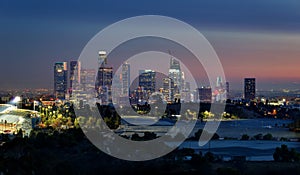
(249, 88)
(104, 84)
(125, 79)
(147, 80)
(87, 79)
(176, 75)
(104, 79)
(168, 89)
(74, 76)
(60, 80)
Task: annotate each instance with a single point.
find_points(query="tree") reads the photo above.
(79, 121)
(227, 170)
(283, 154)
(69, 122)
(90, 123)
(186, 152)
(57, 123)
(258, 137)
(268, 137)
(98, 123)
(245, 137)
(209, 156)
(20, 133)
(136, 137)
(149, 136)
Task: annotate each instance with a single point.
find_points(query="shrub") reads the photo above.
(245, 137)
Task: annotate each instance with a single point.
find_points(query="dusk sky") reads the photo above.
(258, 38)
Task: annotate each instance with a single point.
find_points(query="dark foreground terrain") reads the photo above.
(69, 152)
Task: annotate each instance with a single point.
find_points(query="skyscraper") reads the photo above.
(83, 92)
(227, 90)
(104, 83)
(102, 59)
(196, 95)
(104, 80)
(125, 79)
(74, 76)
(117, 87)
(60, 80)
(205, 94)
(182, 81)
(168, 89)
(219, 82)
(88, 79)
(176, 75)
(147, 80)
(174, 64)
(249, 88)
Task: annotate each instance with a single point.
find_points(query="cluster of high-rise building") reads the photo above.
(174, 88)
(73, 82)
(68, 77)
(89, 83)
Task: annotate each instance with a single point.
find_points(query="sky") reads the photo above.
(257, 38)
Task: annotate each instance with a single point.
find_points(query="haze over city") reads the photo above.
(250, 38)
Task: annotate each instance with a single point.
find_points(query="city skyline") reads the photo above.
(87, 76)
(248, 45)
(150, 87)
(110, 84)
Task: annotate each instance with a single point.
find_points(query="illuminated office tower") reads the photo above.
(168, 89)
(74, 76)
(117, 88)
(125, 79)
(176, 75)
(60, 80)
(249, 88)
(87, 79)
(147, 80)
(182, 81)
(84, 93)
(104, 84)
(104, 79)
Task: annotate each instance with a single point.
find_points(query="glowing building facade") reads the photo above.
(60, 80)
(249, 88)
